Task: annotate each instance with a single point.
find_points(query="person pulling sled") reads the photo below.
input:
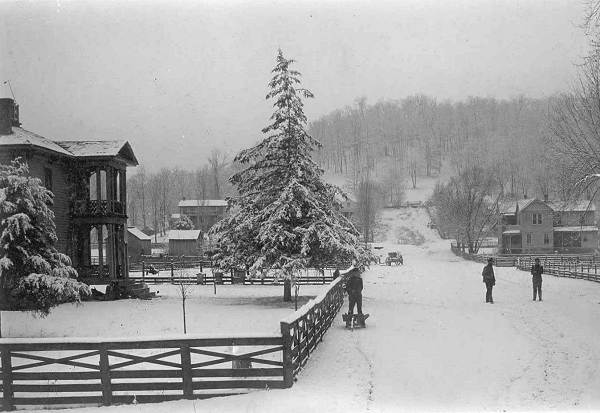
(354, 287)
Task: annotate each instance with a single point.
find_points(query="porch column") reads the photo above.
(98, 184)
(110, 251)
(122, 188)
(99, 231)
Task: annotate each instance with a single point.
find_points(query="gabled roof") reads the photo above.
(78, 149)
(202, 202)
(21, 136)
(136, 232)
(86, 149)
(184, 234)
(524, 203)
(572, 206)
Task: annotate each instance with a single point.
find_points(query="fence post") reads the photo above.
(172, 272)
(105, 376)
(288, 365)
(7, 392)
(186, 370)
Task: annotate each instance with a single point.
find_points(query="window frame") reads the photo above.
(48, 179)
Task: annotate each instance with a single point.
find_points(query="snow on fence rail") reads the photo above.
(96, 371)
(304, 329)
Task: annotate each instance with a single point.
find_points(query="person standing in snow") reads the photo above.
(354, 287)
(489, 280)
(536, 271)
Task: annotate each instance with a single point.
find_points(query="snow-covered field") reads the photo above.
(235, 309)
(432, 344)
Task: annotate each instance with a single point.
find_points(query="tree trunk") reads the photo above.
(184, 323)
(287, 290)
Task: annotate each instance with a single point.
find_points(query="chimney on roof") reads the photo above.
(9, 115)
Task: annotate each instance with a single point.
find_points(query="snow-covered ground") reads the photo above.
(235, 309)
(432, 344)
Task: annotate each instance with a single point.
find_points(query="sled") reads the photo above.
(356, 320)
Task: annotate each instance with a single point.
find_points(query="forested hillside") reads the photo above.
(392, 141)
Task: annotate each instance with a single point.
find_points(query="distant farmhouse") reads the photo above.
(535, 226)
(204, 213)
(88, 179)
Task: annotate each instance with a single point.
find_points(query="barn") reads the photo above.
(185, 242)
(138, 243)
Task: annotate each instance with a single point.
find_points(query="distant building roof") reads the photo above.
(202, 202)
(184, 234)
(524, 203)
(572, 206)
(138, 234)
(579, 228)
(21, 136)
(507, 207)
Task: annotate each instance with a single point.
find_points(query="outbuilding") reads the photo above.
(138, 243)
(185, 242)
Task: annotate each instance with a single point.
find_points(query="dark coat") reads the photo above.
(488, 275)
(354, 285)
(537, 270)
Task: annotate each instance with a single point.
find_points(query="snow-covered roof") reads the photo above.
(184, 234)
(100, 148)
(578, 228)
(21, 136)
(136, 232)
(202, 203)
(511, 232)
(507, 207)
(175, 216)
(572, 206)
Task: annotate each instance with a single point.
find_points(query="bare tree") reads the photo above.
(576, 127)
(184, 291)
(217, 162)
(469, 203)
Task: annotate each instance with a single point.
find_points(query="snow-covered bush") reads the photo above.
(33, 274)
(184, 222)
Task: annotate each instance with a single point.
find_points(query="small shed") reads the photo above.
(185, 242)
(138, 243)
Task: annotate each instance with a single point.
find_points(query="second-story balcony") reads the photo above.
(97, 208)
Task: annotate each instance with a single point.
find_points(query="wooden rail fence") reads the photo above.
(54, 372)
(513, 260)
(583, 270)
(304, 329)
(88, 371)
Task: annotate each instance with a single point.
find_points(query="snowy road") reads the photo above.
(433, 344)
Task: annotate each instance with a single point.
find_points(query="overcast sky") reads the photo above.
(177, 79)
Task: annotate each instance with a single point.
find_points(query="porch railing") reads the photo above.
(94, 208)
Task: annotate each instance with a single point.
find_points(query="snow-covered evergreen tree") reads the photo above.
(33, 274)
(286, 218)
(184, 222)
